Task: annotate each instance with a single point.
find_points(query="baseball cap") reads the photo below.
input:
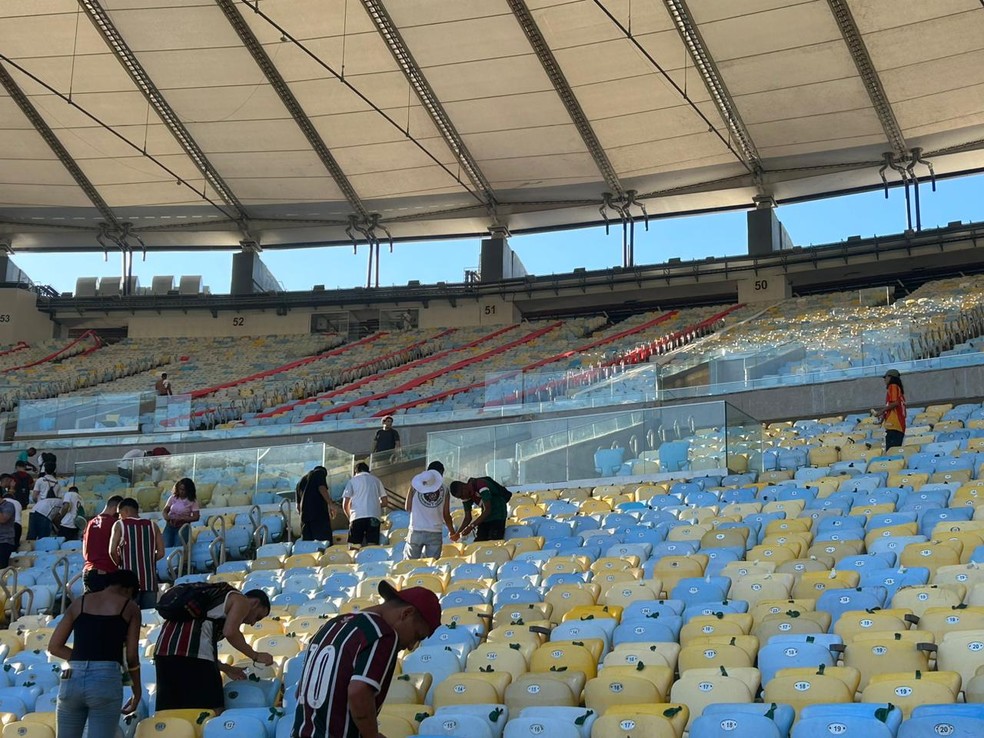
(421, 598)
(427, 482)
(892, 373)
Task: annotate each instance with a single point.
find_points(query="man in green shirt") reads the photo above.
(492, 498)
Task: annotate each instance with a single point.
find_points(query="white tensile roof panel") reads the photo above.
(480, 134)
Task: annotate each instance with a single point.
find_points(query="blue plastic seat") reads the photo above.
(867, 720)
(734, 724)
(775, 656)
(781, 715)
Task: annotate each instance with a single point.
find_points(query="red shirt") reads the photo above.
(95, 543)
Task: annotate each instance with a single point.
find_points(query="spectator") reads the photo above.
(492, 498)
(27, 458)
(8, 492)
(67, 526)
(363, 500)
(8, 534)
(137, 544)
(315, 506)
(125, 467)
(386, 438)
(892, 415)
(351, 659)
(163, 386)
(45, 516)
(23, 483)
(95, 546)
(429, 506)
(180, 509)
(46, 484)
(189, 674)
(103, 625)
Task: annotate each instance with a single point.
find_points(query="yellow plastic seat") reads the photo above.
(908, 690)
(698, 688)
(885, 653)
(566, 655)
(21, 729)
(625, 593)
(536, 689)
(612, 690)
(854, 621)
(728, 624)
(498, 657)
(395, 726)
(920, 599)
(705, 656)
(472, 688)
(593, 612)
(798, 690)
(942, 620)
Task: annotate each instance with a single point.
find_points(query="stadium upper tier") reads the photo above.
(288, 380)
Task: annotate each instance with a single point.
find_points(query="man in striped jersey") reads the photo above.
(189, 673)
(350, 663)
(137, 544)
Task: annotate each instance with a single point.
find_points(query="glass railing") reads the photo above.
(235, 477)
(635, 443)
(111, 414)
(628, 385)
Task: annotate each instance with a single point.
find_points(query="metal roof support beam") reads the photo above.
(42, 127)
(552, 68)
(404, 59)
(279, 84)
(869, 76)
(114, 39)
(706, 67)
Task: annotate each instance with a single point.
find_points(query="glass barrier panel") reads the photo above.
(234, 477)
(631, 443)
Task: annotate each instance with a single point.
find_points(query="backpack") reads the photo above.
(193, 600)
(497, 488)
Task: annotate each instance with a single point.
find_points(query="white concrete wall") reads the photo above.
(201, 324)
(486, 311)
(20, 319)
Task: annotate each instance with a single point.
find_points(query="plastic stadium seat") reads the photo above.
(409, 689)
(470, 726)
(633, 725)
(471, 688)
(783, 655)
(163, 727)
(27, 730)
(885, 653)
(536, 727)
(909, 690)
(535, 690)
(798, 690)
(238, 726)
(580, 718)
(700, 687)
(738, 725)
(950, 720)
(781, 715)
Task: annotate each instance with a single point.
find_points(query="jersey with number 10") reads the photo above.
(353, 647)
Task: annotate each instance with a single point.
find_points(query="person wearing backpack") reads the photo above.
(492, 498)
(196, 617)
(46, 484)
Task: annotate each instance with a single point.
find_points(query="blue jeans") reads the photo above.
(173, 537)
(93, 694)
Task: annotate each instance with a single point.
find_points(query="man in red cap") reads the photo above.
(350, 663)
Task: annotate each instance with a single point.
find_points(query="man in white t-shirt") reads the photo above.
(66, 526)
(429, 506)
(363, 501)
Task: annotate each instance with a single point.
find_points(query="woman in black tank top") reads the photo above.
(104, 625)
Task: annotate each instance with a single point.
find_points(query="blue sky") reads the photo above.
(695, 237)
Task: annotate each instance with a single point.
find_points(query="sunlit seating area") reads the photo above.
(826, 587)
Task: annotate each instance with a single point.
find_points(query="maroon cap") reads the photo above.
(421, 598)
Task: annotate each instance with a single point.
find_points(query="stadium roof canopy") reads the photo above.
(204, 123)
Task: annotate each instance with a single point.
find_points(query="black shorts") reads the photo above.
(493, 530)
(188, 684)
(364, 532)
(93, 581)
(894, 439)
